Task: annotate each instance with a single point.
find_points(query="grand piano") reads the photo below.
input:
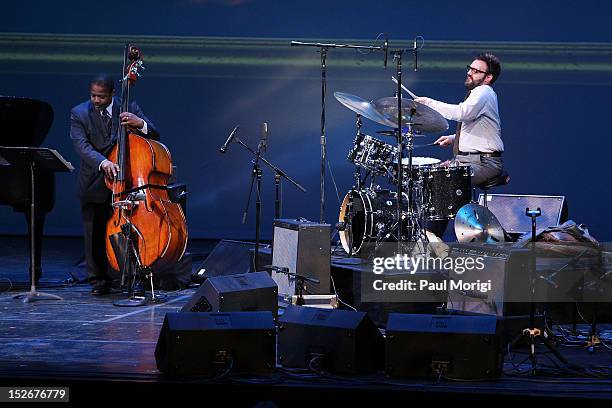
(26, 122)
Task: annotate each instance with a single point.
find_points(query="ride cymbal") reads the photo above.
(423, 118)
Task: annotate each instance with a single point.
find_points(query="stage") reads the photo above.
(98, 349)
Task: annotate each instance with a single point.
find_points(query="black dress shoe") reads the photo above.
(101, 289)
(138, 289)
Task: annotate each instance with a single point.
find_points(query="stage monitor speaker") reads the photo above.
(227, 258)
(508, 270)
(254, 291)
(304, 248)
(446, 346)
(510, 210)
(337, 341)
(210, 343)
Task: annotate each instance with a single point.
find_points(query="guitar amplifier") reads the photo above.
(507, 267)
(303, 247)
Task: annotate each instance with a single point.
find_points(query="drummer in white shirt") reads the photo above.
(477, 141)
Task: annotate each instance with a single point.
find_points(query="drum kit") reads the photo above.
(431, 190)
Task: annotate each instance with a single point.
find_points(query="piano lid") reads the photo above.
(24, 121)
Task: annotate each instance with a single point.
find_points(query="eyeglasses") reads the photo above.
(472, 69)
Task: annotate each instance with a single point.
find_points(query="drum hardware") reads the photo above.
(405, 116)
(348, 221)
(393, 133)
(256, 175)
(357, 173)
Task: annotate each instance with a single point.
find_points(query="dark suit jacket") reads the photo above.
(93, 145)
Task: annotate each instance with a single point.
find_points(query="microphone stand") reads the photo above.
(531, 334)
(256, 175)
(412, 225)
(397, 57)
(299, 282)
(324, 48)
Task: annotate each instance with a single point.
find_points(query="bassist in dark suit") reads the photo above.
(94, 128)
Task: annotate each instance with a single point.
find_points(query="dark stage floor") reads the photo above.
(87, 343)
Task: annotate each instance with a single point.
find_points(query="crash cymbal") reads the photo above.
(362, 107)
(423, 118)
(475, 223)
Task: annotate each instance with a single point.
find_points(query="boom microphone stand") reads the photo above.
(256, 175)
(324, 48)
(412, 233)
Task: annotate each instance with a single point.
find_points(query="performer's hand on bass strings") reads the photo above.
(129, 119)
(110, 169)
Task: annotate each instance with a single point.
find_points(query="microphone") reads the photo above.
(386, 49)
(414, 44)
(263, 142)
(223, 148)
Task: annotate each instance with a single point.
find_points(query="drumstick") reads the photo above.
(404, 88)
(426, 145)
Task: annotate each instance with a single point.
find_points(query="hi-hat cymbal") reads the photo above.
(362, 107)
(475, 223)
(393, 133)
(423, 118)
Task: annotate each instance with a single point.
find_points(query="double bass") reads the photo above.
(141, 205)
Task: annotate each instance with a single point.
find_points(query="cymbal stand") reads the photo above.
(323, 49)
(357, 174)
(397, 58)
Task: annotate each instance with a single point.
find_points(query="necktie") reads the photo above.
(458, 131)
(108, 121)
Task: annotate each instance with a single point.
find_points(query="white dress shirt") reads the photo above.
(479, 113)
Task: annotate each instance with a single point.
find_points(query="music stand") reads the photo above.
(46, 159)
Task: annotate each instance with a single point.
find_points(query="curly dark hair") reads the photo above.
(493, 64)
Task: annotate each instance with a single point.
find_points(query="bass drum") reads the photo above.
(369, 217)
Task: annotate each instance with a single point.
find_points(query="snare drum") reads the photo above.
(371, 154)
(445, 190)
(418, 163)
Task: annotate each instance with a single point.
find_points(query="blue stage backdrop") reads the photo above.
(211, 65)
